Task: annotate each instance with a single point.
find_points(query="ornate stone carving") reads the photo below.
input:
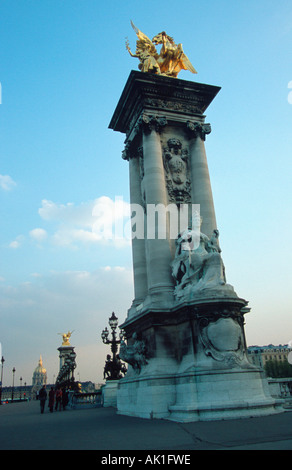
(130, 151)
(222, 340)
(126, 153)
(134, 354)
(150, 123)
(196, 129)
(182, 107)
(198, 266)
(177, 177)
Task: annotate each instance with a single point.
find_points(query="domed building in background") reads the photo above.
(39, 378)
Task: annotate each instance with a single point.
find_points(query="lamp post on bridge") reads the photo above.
(20, 387)
(114, 369)
(2, 364)
(12, 392)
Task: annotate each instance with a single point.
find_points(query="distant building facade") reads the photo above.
(260, 355)
(279, 386)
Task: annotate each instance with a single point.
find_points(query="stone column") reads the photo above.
(201, 186)
(160, 282)
(64, 352)
(138, 244)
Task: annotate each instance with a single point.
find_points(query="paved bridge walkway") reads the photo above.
(23, 427)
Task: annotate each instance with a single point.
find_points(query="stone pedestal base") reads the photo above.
(147, 397)
(197, 367)
(222, 395)
(109, 393)
(196, 397)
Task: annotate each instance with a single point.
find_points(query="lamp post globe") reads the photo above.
(113, 321)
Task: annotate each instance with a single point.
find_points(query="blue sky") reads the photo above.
(63, 66)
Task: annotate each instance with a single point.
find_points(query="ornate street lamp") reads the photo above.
(114, 369)
(2, 364)
(12, 393)
(104, 335)
(73, 365)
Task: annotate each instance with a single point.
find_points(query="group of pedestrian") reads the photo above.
(58, 399)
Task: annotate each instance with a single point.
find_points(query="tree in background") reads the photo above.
(277, 369)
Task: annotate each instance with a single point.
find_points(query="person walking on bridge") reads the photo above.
(58, 399)
(42, 398)
(51, 399)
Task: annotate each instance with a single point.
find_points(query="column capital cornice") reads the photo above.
(196, 129)
(126, 153)
(131, 151)
(152, 123)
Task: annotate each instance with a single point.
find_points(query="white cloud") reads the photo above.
(16, 243)
(38, 234)
(68, 214)
(102, 221)
(6, 182)
(114, 268)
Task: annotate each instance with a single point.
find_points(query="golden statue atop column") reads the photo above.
(169, 61)
(66, 337)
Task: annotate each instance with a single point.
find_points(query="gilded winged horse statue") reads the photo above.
(169, 61)
(66, 337)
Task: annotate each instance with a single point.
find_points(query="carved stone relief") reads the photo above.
(134, 354)
(197, 267)
(152, 123)
(177, 174)
(195, 129)
(222, 340)
(184, 107)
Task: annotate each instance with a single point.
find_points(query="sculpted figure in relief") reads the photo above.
(197, 264)
(176, 172)
(134, 354)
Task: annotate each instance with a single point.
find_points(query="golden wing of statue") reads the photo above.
(187, 64)
(144, 39)
(183, 61)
